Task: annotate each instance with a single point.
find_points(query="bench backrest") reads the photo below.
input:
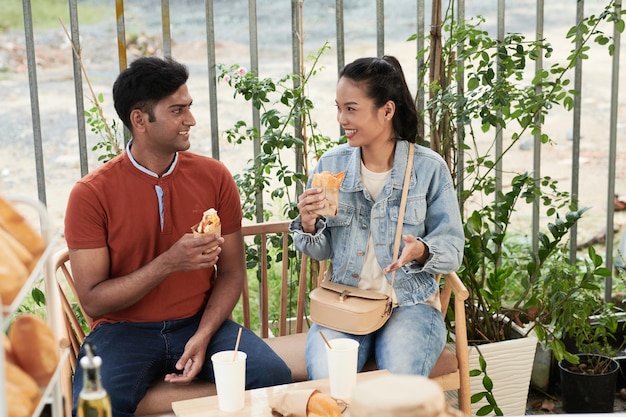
(293, 288)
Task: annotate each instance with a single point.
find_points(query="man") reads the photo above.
(159, 298)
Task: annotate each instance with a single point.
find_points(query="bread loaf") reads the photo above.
(22, 393)
(35, 347)
(13, 273)
(18, 249)
(9, 356)
(18, 404)
(322, 405)
(16, 226)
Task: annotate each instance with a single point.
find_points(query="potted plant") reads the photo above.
(588, 386)
(496, 314)
(580, 328)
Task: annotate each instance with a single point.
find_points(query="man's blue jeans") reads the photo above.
(134, 355)
(409, 343)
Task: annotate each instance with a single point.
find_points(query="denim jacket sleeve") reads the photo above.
(317, 245)
(444, 234)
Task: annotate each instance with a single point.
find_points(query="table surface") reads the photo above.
(257, 400)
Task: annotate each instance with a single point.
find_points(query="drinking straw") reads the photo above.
(237, 344)
(325, 340)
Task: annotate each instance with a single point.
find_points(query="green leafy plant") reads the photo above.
(571, 315)
(288, 133)
(486, 268)
(487, 394)
(109, 145)
(497, 97)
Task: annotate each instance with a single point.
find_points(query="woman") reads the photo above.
(376, 110)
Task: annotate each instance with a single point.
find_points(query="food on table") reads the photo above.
(322, 405)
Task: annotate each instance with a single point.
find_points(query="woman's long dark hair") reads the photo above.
(382, 80)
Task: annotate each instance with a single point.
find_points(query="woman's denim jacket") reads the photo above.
(432, 216)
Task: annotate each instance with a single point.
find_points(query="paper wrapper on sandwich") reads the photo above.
(330, 183)
(210, 224)
(303, 403)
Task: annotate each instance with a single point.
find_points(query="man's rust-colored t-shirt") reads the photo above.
(117, 206)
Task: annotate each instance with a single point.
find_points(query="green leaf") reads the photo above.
(38, 296)
(477, 397)
(484, 410)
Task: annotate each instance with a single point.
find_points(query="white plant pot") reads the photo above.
(509, 365)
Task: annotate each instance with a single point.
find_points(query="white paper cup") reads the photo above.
(230, 379)
(342, 362)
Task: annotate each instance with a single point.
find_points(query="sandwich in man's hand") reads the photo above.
(210, 223)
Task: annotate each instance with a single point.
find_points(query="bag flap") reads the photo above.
(350, 291)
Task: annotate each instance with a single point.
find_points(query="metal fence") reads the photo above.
(352, 27)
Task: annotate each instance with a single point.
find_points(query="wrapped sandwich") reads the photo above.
(330, 183)
(304, 403)
(210, 224)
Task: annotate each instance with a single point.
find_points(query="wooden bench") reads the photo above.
(285, 333)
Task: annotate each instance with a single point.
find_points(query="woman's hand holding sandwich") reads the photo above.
(309, 202)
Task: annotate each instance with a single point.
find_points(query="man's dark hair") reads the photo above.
(146, 81)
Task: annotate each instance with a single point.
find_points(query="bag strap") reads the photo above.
(405, 192)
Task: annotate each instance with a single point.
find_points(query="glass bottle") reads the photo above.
(93, 400)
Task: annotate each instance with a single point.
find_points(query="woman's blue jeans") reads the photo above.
(409, 343)
(134, 355)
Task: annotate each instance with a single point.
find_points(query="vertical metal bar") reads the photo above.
(460, 91)
(539, 35)
(578, 76)
(420, 98)
(165, 23)
(210, 46)
(498, 171)
(608, 284)
(298, 68)
(380, 28)
(341, 44)
(121, 34)
(78, 91)
(256, 119)
(34, 101)
(121, 49)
